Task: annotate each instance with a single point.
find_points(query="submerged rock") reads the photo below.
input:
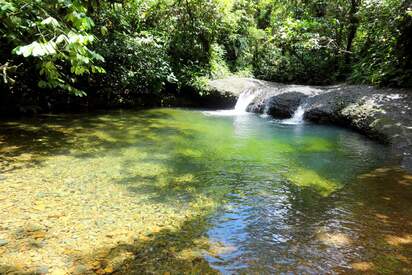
(3, 242)
(42, 270)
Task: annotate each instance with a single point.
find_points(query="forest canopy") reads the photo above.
(122, 52)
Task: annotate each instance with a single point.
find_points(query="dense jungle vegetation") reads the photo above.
(98, 53)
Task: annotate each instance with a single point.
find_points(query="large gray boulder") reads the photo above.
(237, 85)
(284, 105)
(223, 93)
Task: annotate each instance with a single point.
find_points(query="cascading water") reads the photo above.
(297, 117)
(245, 98)
(265, 112)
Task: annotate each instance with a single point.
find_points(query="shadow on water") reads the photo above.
(28, 142)
(174, 251)
(256, 220)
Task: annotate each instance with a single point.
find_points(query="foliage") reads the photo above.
(147, 46)
(384, 43)
(134, 64)
(54, 35)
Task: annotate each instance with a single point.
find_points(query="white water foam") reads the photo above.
(297, 117)
(242, 103)
(244, 100)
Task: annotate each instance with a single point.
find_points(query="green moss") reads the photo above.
(311, 179)
(314, 144)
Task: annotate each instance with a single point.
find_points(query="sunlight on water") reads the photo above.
(191, 191)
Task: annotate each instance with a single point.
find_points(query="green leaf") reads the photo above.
(7, 7)
(104, 31)
(50, 21)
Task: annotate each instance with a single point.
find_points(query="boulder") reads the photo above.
(279, 100)
(237, 85)
(284, 105)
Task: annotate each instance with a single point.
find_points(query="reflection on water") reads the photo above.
(234, 194)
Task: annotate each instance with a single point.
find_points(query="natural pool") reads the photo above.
(174, 190)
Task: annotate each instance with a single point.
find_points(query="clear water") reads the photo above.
(265, 197)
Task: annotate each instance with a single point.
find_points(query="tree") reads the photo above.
(55, 35)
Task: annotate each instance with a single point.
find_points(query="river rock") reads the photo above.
(327, 107)
(284, 105)
(237, 85)
(3, 242)
(227, 91)
(42, 270)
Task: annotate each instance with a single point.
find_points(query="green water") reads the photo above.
(266, 197)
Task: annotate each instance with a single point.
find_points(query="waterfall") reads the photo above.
(297, 117)
(244, 100)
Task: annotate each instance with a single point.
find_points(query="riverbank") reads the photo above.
(381, 114)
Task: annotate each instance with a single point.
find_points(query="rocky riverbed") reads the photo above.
(381, 114)
(67, 221)
(76, 198)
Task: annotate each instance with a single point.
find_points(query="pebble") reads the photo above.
(42, 270)
(2, 177)
(52, 223)
(80, 269)
(3, 242)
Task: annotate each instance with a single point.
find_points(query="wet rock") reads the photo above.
(237, 85)
(42, 270)
(280, 99)
(80, 269)
(327, 107)
(232, 87)
(378, 113)
(284, 105)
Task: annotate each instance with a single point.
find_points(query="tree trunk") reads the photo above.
(353, 27)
